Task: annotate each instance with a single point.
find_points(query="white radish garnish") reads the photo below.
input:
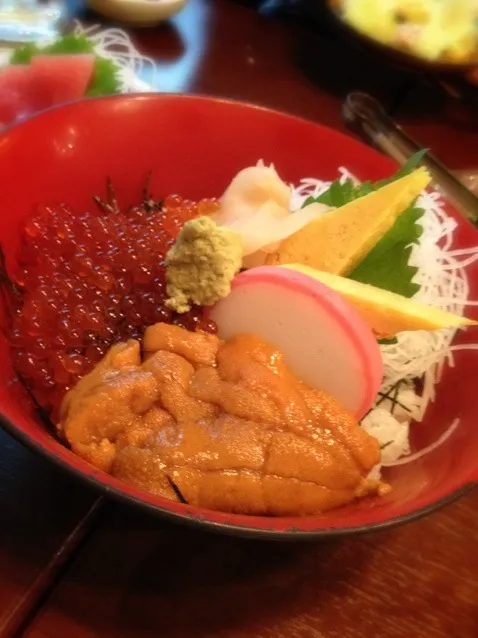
(324, 341)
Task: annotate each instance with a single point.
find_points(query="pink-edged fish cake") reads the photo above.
(324, 340)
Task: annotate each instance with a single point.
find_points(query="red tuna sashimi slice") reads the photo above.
(12, 105)
(15, 93)
(21, 79)
(61, 78)
(15, 78)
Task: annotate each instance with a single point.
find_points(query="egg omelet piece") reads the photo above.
(337, 241)
(451, 33)
(415, 11)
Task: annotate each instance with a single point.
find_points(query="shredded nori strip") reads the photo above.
(176, 490)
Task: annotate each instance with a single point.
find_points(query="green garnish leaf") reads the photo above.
(70, 44)
(409, 166)
(386, 265)
(105, 79)
(23, 55)
(341, 193)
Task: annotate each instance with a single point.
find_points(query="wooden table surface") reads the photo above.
(72, 565)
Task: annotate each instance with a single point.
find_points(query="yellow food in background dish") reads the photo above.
(418, 11)
(372, 17)
(436, 30)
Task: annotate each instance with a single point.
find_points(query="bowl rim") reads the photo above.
(198, 517)
(200, 521)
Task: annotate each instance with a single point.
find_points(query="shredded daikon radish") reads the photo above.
(420, 355)
(426, 450)
(137, 72)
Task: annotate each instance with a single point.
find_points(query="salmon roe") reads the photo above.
(86, 281)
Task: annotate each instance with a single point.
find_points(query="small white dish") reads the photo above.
(137, 13)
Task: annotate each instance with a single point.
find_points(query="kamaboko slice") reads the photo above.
(324, 340)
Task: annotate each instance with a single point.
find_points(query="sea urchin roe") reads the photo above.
(236, 433)
(201, 264)
(87, 281)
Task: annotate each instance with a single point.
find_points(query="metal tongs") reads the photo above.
(365, 116)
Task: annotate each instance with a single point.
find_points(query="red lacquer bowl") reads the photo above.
(194, 146)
